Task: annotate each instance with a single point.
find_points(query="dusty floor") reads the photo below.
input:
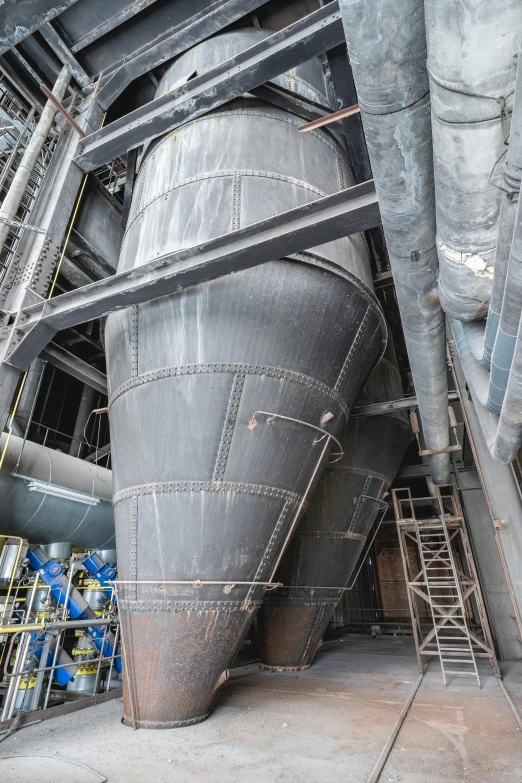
(325, 725)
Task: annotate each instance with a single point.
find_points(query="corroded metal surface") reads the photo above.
(199, 491)
(332, 533)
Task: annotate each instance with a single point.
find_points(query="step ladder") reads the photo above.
(448, 613)
(447, 605)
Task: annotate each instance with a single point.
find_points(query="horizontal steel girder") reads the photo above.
(72, 365)
(20, 18)
(378, 408)
(309, 37)
(169, 44)
(341, 214)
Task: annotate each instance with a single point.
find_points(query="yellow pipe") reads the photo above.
(20, 628)
(13, 414)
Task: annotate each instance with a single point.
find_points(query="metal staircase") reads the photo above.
(440, 570)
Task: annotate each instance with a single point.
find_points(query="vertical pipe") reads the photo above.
(19, 142)
(508, 210)
(507, 328)
(24, 171)
(84, 411)
(471, 63)
(387, 47)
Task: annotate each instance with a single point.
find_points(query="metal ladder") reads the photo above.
(447, 605)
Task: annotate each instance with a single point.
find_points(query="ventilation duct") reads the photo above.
(48, 496)
(332, 533)
(387, 47)
(205, 489)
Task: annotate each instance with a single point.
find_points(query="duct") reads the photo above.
(332, 533)
(512, 298)
(25, 409)
(509, 433)
(386, 44)
(508, 211)
(205, 490)
(477, 376)
(16, 191)
(503, 436)
(471, 63)
(46, 518)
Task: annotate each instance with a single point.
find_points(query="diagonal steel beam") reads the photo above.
(64, 54)
(172, 42)
(324, 220)
(20, 18)
(272, 56)
(130, 10)
(72, 365)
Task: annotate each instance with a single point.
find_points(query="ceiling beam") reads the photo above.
(172, 42)
(306, 38)
(72, 365)
(64, 55)
(20, 18)
(130, 10)
(324, 220)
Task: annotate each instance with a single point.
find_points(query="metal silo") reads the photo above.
(205, 487)
(332, 533)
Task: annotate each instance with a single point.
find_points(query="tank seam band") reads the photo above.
(335, 534)
(228, 426)
(230, 367)
(236, 487)
(270, 546)
(289, 120)
(318, 620)
(357, 340)
(220, 174)
(151, 605)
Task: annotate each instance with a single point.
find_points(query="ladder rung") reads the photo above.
(458, 671)
(457, 660)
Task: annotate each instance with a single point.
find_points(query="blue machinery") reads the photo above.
(39, 651)
(52, 573)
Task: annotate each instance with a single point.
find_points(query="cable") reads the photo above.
(101, 777)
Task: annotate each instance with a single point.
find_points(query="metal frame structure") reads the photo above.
(33, 321)
(436, 579)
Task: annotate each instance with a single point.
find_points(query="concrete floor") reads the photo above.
(326, 725)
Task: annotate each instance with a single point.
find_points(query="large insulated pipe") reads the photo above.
(26, 405)
(471, 62)
(387, 47)
(207, 488)
(509, 432)
(15, 194)
(332, 533)
(509, 198)
(506, 335)
(54, 497)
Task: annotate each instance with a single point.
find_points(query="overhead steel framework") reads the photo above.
(32, 322)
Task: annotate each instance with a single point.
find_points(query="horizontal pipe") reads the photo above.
(51, 626)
